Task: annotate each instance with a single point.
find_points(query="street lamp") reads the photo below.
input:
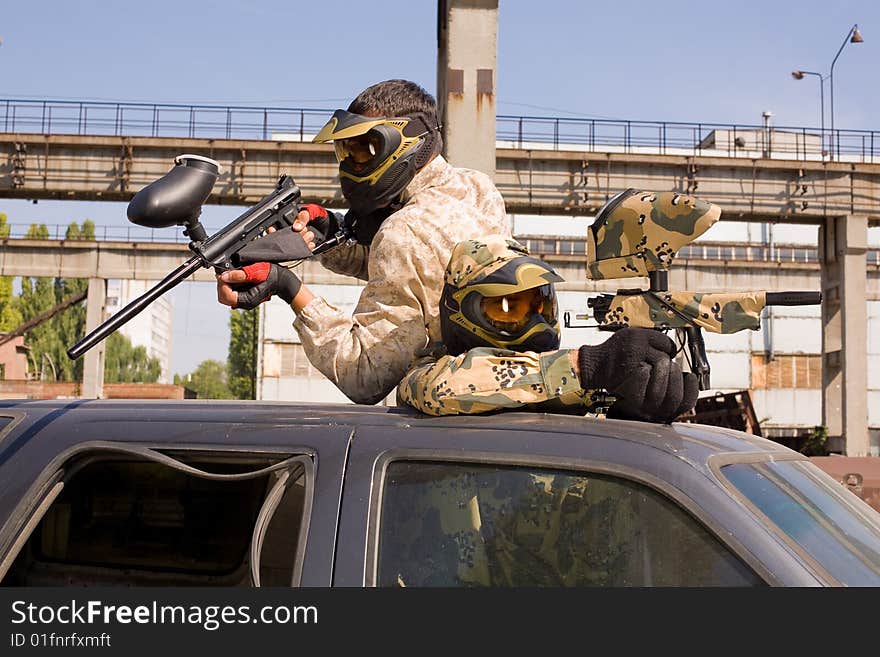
(853, 36)
(799, 75)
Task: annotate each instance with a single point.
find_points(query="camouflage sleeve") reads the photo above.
(366, 354)
(347, 259)
(486, 379)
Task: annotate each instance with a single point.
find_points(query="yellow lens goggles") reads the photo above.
(513, 312)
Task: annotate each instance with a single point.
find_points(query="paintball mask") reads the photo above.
(497, 295)
(639, 232)
(378, 157)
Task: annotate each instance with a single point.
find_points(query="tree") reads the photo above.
(242, 359)
(208, 380)
(10, 316)
(123, 363)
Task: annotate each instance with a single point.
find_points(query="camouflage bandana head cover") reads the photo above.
(637, 232)
(492, 267)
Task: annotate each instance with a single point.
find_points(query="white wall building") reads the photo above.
(152, 328)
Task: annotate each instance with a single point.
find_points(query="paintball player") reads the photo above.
(408, 207)
(500, 348)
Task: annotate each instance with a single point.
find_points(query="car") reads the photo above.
(235, 493)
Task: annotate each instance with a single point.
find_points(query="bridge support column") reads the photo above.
(93, 359)
(843, 243)
(467, 47)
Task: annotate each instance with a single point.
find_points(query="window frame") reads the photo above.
(33, 505)
(579, 466)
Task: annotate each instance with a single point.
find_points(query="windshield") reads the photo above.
(813, 513)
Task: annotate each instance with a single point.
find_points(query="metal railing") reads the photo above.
(539, 245)
(160, 120)
(530, 132)
(677, 138)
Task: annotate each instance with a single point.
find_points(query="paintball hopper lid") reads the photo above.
(637, 232)
(178, 196)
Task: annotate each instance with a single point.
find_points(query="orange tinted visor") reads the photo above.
(513, 312)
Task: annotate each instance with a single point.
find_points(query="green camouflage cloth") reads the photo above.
(487, 379)
(638, 232)
(723, 312)
(473, 260)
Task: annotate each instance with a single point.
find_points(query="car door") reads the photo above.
(457, 506)
(102, 501)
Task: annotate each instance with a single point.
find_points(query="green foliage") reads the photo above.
(208, 381)
(816, 443)
(37, 232)
(86, 232)
(242, 359)
(123, 363)
(10, 316)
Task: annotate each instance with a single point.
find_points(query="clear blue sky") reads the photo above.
(715, 62)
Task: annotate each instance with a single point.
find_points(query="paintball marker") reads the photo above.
(638, 233)
(177, 198)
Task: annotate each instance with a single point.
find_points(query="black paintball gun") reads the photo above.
(639, 233)
(177, 198)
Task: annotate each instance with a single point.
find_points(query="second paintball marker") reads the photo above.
(639, 233)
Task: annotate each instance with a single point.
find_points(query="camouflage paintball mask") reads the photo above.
(497, 295)
(637, 232)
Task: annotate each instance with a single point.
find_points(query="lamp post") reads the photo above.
(799, 75)
(853, 36)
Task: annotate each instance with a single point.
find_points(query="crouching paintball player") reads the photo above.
(500, 330)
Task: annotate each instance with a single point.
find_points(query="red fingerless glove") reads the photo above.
(315, 211)
(257, 272)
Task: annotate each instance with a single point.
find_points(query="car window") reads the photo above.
(820, 519)
(457, 524)
(138, 522)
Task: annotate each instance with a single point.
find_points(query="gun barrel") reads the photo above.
(134, 308)
(794, 298)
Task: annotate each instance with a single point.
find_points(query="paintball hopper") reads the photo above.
(639, 232)
(178, 196)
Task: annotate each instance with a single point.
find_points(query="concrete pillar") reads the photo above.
(467, 44)
(843, 243)
(93, 359)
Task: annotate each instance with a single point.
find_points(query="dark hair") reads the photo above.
(395, 98)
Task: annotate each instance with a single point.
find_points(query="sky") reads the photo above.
(711, 62)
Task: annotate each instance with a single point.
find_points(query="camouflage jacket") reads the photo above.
(487, 379)
(367, 354)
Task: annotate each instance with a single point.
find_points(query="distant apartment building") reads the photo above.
(152, 328)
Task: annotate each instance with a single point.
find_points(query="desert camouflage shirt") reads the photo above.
(488, 379)
(398, 312)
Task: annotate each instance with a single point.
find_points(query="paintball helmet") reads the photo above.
(497, 295)
(378, 156)
(638, 232)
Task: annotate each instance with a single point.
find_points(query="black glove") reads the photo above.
(635, 365)
(264, 280)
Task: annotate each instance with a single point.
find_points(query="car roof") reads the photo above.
(691, 442)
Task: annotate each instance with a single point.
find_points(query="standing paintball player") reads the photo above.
(410, 207)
